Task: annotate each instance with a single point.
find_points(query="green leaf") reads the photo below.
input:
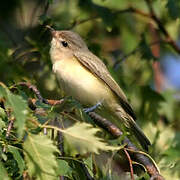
(127, 37)
(3, 156)
(167, 106)
(18, 158)
(146, 50)
(3, 173)
(2, 113)
(151, 103)
(17, 105)
(173, 7)
(40, 158)
(82, 137)
(171, 155)
(64, 169)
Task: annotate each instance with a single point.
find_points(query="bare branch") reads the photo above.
(38, 94)
(130, 163)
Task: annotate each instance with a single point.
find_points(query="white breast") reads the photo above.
(80, 83)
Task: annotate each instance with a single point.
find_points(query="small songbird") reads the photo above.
(85, 77)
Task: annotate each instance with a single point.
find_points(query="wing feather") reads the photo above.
(92, 63)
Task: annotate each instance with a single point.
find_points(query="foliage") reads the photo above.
(82, 137)
(130, 43)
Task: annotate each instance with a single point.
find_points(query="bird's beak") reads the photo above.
(53, 32)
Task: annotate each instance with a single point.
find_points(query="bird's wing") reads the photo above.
(93, 64)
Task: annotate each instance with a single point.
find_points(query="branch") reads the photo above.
(116, 132)
(130, 163)
(168, 39)
(38, 94)
(113, 130)
(128, 10)
(161, 27)
(59, 134)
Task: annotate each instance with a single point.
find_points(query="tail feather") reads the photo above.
(141, 137)
(129, 122)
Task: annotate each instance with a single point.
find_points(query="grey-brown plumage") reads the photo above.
(85, 77)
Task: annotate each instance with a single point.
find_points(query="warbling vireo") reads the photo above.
(84, 76)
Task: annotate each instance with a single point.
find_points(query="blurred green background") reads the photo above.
(130, 44)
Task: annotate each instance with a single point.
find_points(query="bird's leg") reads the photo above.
(87, 110)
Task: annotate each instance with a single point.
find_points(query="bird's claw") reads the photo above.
(88, 110)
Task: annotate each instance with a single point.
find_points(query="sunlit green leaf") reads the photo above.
(39, 155)
(3, 173)
(2, 113)
(64, 169)
(82, 137)
(18, 107)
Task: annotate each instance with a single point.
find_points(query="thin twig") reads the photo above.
(128, 10)
(130, 163)
(10, 125)
(34, 89)
(11, 121)
(38, 94)
(133, 10)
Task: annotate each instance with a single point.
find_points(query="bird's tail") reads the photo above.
(129, 122)
(141, 137)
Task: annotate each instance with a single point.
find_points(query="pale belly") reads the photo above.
(78, 82)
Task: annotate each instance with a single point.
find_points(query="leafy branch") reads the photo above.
(161, 27)
(141, 157)
(151, 15)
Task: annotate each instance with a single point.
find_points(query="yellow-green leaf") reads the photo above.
(18, 107)
(82, 137)
(39, 155)
(3, 173)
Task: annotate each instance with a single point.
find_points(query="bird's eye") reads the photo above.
(64, 43)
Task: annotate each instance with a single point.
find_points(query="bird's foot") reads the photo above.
(88, 110)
